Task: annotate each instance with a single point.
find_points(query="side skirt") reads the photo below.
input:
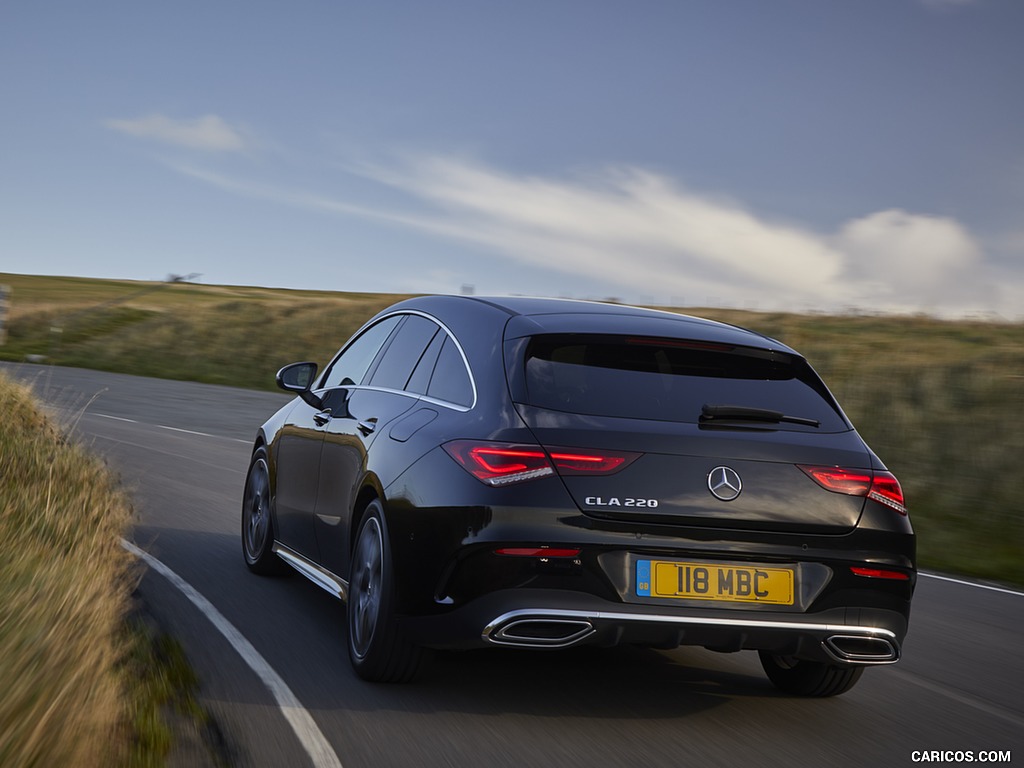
(323, 578)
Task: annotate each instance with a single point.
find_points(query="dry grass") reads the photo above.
(63, 592)
(938, 401)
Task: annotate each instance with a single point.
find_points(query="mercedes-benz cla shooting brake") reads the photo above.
(535, 473)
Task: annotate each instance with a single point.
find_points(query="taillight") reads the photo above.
(499, 464)
(571, 461)
(886, 489)
(541, 552)
(880, 573)
(882, 487)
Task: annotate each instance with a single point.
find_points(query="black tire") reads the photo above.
(813, 679)
(376, 648)
(257, 520)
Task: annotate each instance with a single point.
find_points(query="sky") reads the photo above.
(848, 155)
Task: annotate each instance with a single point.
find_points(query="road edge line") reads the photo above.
(965, 583)
(302, 723)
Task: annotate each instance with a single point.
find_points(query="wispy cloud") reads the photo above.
(623, 225)
(641, 233)
(210, 133)
(632, 228)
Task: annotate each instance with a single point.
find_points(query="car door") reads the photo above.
(300, 442)
(359, 415)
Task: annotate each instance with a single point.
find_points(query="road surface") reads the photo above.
(182, 450)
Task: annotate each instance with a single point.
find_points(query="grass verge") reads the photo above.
(81, 686)
(165, 720)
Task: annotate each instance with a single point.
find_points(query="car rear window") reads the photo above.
(671, 379)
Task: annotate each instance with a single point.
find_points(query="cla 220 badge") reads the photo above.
(600, 501)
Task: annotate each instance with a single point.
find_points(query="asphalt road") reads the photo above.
(182, 449)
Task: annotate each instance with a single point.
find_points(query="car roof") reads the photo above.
(529, 315)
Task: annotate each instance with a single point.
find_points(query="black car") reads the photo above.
(538, 473)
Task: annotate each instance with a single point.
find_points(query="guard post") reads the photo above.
(5, 292)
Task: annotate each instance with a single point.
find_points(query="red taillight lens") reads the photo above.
(853, 482)
(882, 487)
(500, 464)
(885, 489)
(541, 552)
(880, 573)
(570, 461)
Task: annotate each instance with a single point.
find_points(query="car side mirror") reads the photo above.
(299, 378)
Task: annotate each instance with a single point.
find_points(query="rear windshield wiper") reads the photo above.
(745, 413)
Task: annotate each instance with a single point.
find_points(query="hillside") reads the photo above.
(939, 401)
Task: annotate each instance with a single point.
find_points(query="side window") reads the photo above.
(351, 365)
(451, 381)
(403, 353)
(420, 378)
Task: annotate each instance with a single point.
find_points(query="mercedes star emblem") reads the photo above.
(724, 483)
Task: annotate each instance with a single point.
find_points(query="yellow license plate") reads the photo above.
(708, 581)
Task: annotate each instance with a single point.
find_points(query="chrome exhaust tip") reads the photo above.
(541, 633)
(862, 649)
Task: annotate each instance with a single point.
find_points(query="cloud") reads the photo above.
(897, 255)
(209, 132)
(638, 233)
(625, 226)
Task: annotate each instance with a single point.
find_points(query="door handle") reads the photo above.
(322, 417)
(366, 426)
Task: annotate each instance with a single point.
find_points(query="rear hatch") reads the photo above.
(695, 431)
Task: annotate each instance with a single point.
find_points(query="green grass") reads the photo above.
(940, 402)
(213, 334)
(161, 699)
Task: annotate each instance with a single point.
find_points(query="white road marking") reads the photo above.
(172, 429)
(115, 418)
(200, 434)
(309, 735)
(1004, 590)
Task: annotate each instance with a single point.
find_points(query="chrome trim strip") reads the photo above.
(450, 406)
(829, 630)
(462, 354)
(412, 395)
(323, 578)
(443, 327)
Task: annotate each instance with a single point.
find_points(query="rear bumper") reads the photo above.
(551, 619)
